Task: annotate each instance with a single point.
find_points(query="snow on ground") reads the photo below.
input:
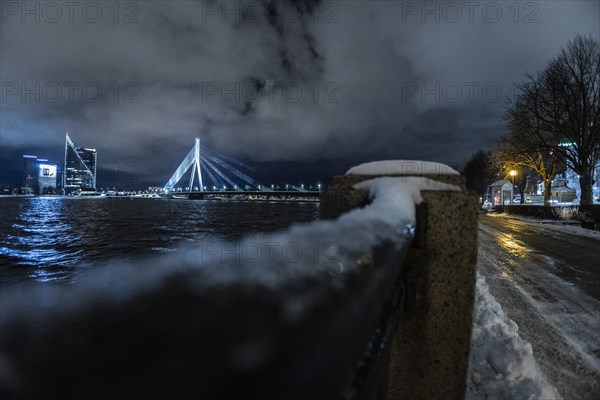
(401, 167)
(502, 365)
(554, 225)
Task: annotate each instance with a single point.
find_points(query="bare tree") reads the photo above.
(569, 107)
(532, 142)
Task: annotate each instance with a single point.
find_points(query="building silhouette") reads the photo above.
(80, 168)
(47, 177)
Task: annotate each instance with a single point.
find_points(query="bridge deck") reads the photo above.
(230, 193)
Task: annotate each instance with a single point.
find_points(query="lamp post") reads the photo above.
(512, 189)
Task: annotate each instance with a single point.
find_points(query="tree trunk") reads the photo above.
(585, 183)
(547, 191)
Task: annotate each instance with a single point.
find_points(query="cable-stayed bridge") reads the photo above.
(204, 172)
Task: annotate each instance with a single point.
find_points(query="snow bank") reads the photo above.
(502, 365)
(402, 167)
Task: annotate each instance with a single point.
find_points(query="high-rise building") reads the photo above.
(39, 176)
(29, 175)
(80, 168)
(47, 176)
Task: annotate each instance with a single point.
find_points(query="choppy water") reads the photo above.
(56, 238)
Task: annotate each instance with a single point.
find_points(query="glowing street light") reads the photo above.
(512, 173)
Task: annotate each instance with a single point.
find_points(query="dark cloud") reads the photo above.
(267, 81)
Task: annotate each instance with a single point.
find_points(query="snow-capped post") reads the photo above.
(429, 354)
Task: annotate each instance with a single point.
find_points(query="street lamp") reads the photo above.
(512, 173)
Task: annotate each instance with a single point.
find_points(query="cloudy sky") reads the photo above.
(343, 81)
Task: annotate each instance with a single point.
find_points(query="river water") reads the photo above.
(57, 238)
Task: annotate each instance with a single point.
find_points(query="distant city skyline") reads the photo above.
(127, 177)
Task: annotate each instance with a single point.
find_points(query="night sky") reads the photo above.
(327, 82)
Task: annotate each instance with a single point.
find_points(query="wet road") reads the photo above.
(548, 282)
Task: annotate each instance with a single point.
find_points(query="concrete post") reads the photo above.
(430, 352)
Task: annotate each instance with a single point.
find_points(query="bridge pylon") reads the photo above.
(192, 160)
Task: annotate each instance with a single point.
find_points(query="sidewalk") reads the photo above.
(569, 227)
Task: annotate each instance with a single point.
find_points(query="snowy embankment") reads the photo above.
(502, 365)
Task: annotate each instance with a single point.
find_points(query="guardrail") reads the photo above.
(310, 313)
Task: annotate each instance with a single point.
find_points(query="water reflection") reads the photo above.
(50, 238)
(514, 246)
(38, 238)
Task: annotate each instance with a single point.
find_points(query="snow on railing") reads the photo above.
(286, 315)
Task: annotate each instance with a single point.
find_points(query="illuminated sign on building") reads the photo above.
(47, 171)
